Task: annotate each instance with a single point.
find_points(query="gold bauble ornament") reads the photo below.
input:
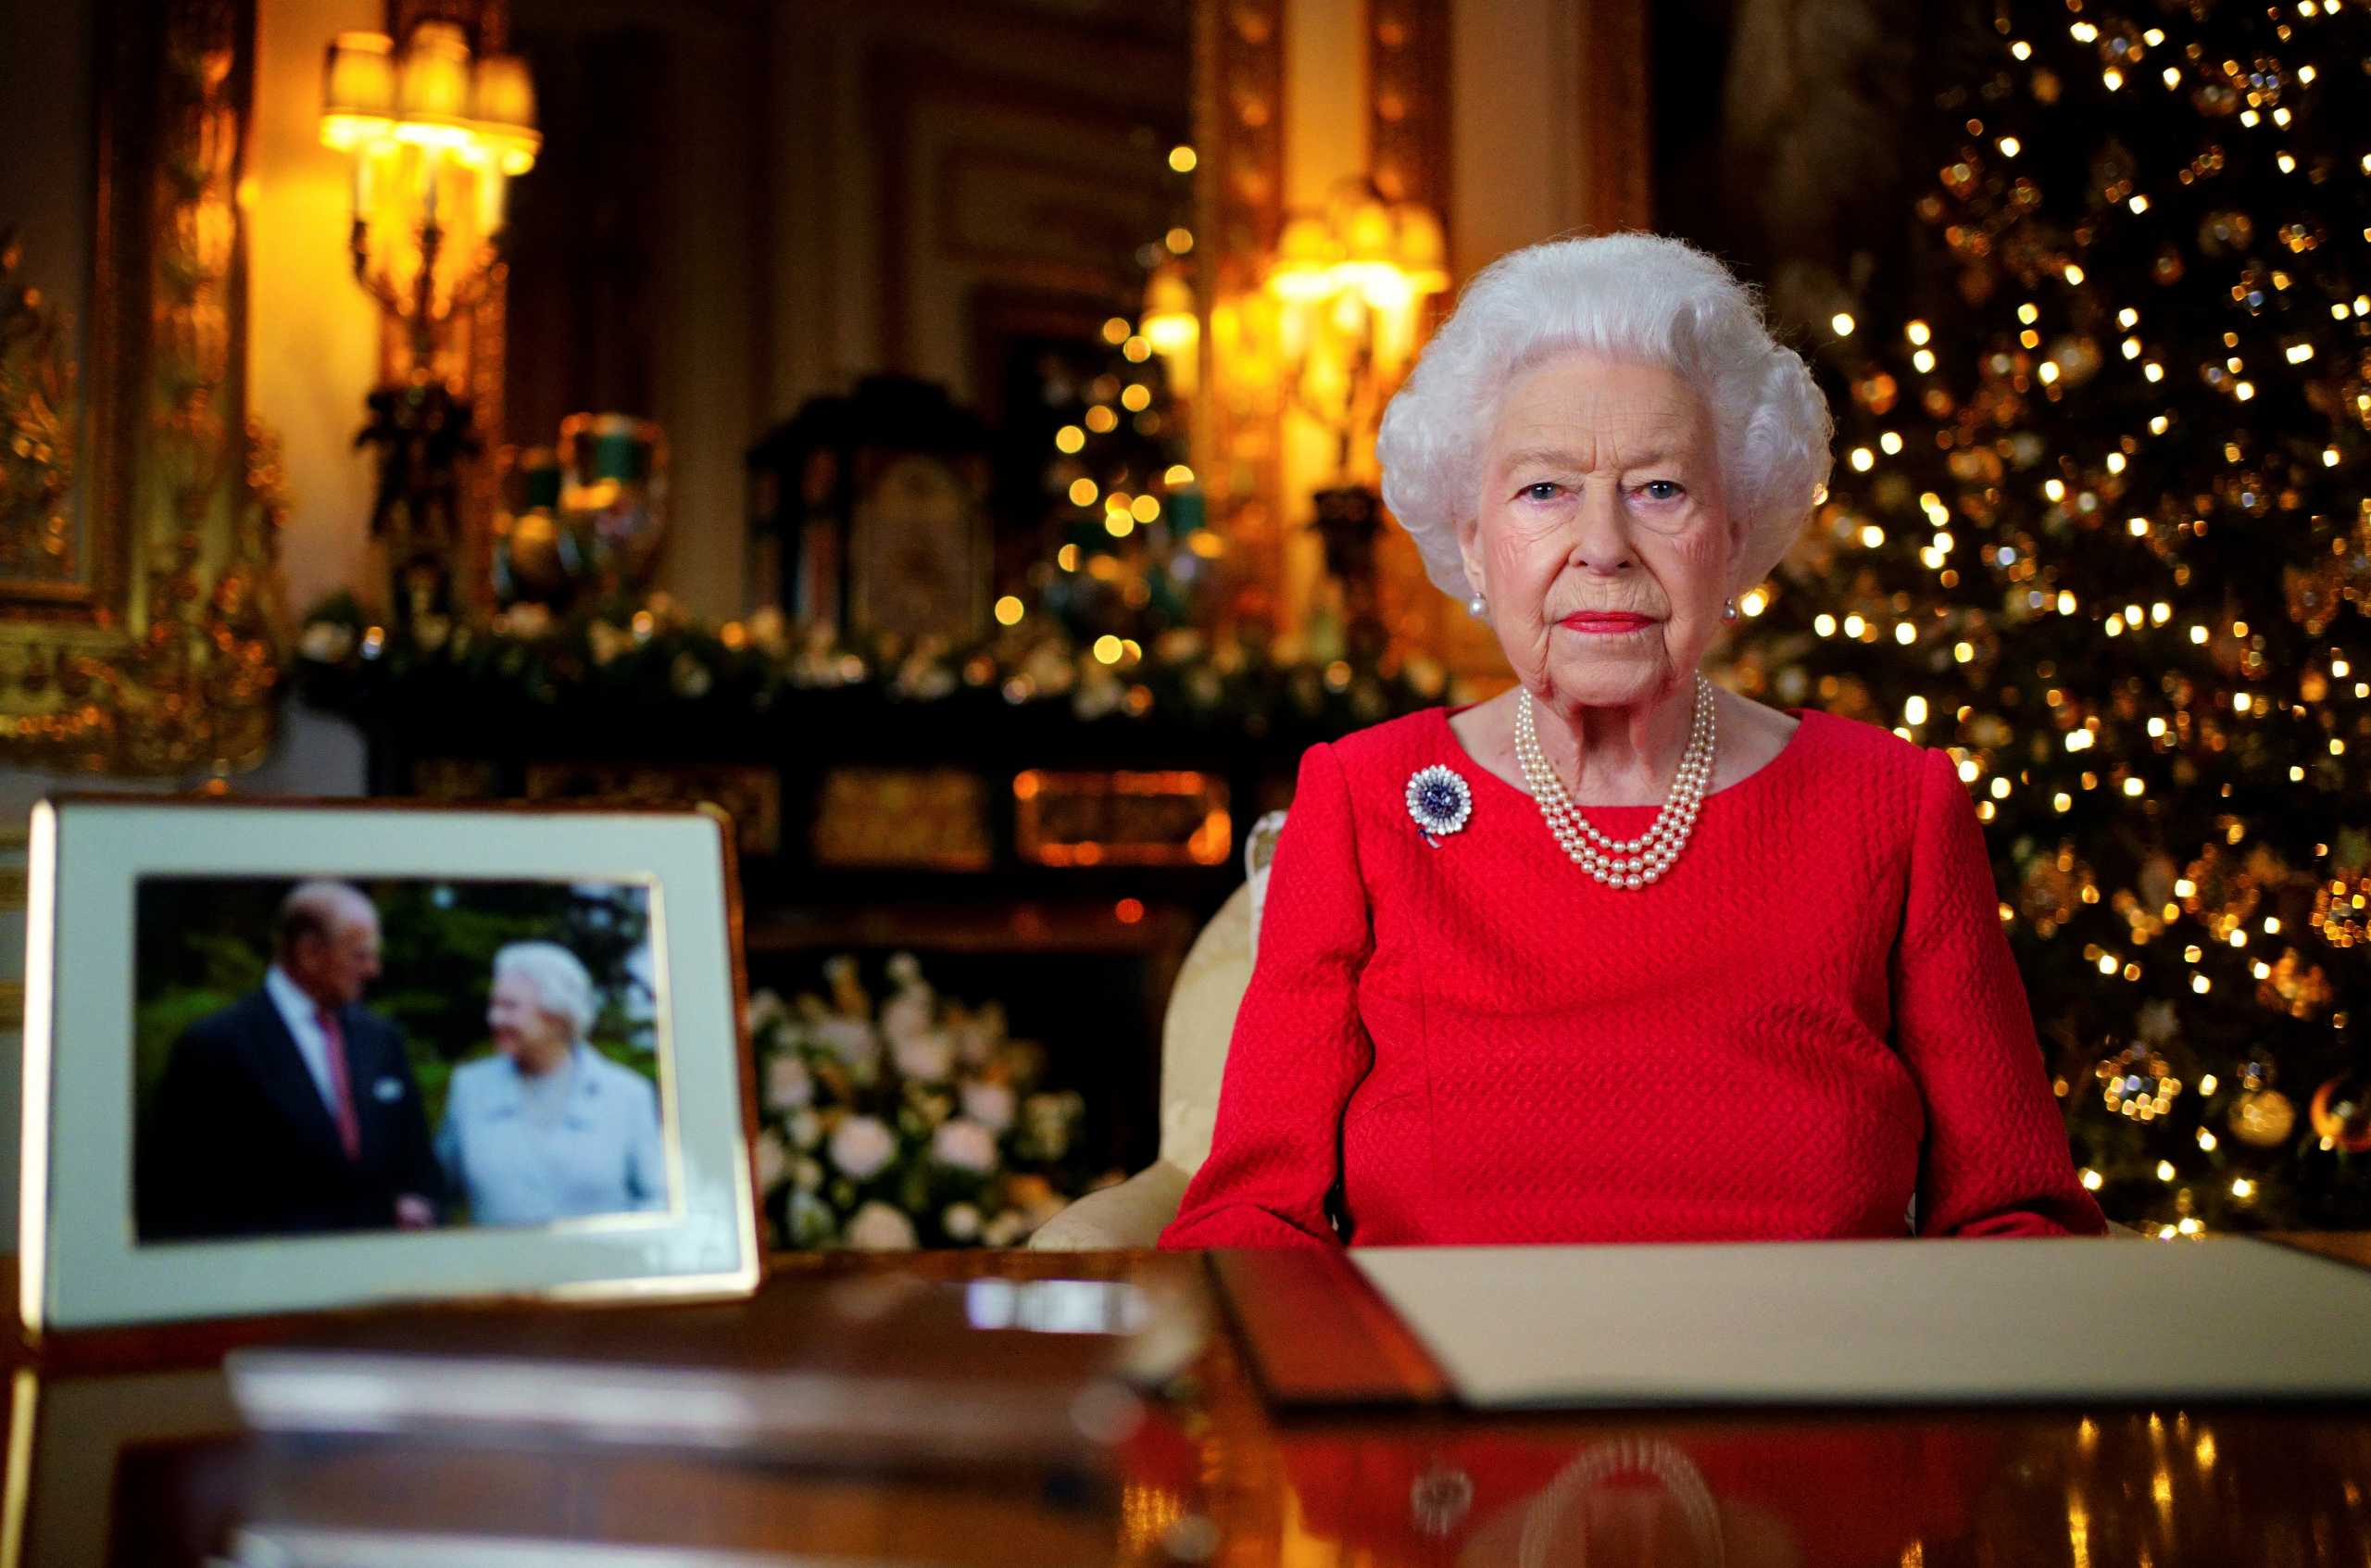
(2264, 1118)
(542, 559)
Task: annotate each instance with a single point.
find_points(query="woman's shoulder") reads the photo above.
(1869, 763)
(1838, 739)
(618, 1075)
(1408, 741)
(474, 1077)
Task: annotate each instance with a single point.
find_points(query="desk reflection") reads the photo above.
(2175, 1487)
(126, 1464)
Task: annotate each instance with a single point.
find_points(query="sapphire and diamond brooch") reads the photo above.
(1438, 802)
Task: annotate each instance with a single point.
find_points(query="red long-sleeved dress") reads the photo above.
(1812, 1018)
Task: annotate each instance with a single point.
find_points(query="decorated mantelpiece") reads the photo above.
(1060, 819)
(527, 705)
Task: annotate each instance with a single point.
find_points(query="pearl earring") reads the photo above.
(1730, 610)
(1477, 607)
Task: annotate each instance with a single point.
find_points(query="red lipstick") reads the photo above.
(1604, 623)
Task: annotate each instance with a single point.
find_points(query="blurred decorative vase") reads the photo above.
(613, 494)
(536, 559)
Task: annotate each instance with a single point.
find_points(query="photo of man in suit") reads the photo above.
(291, 1111)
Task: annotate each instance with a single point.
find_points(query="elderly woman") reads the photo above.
(548, 1128)
(1619, 955)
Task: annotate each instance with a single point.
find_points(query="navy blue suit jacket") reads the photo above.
(239, 1141)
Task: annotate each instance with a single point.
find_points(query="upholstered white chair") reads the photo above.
(1194, 1035)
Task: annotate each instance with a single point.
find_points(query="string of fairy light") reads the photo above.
(2077, 500)
(1120, 511)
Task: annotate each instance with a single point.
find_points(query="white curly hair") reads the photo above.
(563, 986)
(1632, 296)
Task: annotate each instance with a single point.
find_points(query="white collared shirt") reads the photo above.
(303, 1016)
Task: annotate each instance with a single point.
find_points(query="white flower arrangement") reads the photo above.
(917, 1123)
(877, 1227)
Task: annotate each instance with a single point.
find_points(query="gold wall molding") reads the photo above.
(1408, 138)
(151, 646)
(36, 432)
(1239, 137)
(1407, 43)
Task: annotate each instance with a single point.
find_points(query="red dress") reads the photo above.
(1810, 1018)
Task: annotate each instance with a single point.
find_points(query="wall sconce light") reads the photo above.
(436, 135)
(1350, 281)
(1173, 325)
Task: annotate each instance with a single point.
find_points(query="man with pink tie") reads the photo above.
(291, 1111)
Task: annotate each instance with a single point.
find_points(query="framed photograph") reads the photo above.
(282, 1058)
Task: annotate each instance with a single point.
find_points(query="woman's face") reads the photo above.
(521, 1029)
(1600, 539)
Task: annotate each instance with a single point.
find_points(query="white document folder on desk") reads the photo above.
(1860, 1323)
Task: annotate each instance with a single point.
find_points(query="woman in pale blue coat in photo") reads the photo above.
(548, 1128)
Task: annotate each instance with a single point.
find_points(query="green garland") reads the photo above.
(652, 654)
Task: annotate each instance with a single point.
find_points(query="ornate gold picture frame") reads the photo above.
(140, 505)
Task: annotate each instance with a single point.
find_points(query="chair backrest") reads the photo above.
(1200, 1020)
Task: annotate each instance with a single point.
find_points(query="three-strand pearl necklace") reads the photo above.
(1622, 863)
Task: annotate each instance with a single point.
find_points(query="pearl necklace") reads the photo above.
(1622, 863)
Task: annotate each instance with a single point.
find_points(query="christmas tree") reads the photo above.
(1118, 495)
(1130, 555)
(2101, 530)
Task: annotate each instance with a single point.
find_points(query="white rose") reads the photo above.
(877, 1227)
(928, 1059)
(326, 642)
(788, 1087)
(975, 1042)
(1046, 1122)
(991, 1105)
(1005, 1229)
(774, 1161)
(861, 1146)
(850, 1040)
(765, 1011)
(960, 1221)
(965, 1146)
(905, 1015)
(806, 1128)
(812, 1223)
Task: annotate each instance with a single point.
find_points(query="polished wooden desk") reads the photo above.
(136, 1457)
